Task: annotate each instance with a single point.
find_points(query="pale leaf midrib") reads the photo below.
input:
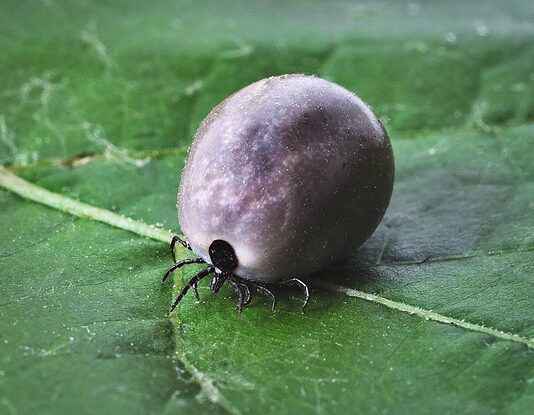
(426, 314)
(38, 194)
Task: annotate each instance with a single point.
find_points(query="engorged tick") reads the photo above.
(284, 178)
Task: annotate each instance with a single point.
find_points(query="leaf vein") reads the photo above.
(426, 314)
(38, 194)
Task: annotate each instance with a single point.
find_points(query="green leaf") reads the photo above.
(98, 105)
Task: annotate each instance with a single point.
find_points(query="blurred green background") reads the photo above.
(99, 101)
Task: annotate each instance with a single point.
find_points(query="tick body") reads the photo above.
(285, 177)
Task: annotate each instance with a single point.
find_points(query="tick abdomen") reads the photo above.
(294, 172)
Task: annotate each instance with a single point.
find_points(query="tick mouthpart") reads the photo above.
(217, 282)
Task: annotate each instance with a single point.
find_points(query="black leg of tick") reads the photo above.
(181, 264)
(192, 283)
(259, 287)
(248, 294)
(241, 293)
(264, 290)
(182, 242)
(299, 283)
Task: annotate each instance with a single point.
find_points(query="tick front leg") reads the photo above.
(195, 291)
(192, 282)
(181, 264)
(182, 242)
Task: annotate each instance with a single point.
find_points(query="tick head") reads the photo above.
(223, 256)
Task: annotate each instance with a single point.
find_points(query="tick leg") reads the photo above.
(266, 291)
(297, 282)
(192, 282)
(259, 287)
(240, 292)
(181, 264)
(182, 242)
(195, 291)
(248, 294)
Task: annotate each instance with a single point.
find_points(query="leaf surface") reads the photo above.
(433, 314)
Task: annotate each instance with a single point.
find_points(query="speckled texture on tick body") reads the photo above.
(294, 171)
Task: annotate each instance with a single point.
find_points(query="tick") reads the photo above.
(284, 178)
